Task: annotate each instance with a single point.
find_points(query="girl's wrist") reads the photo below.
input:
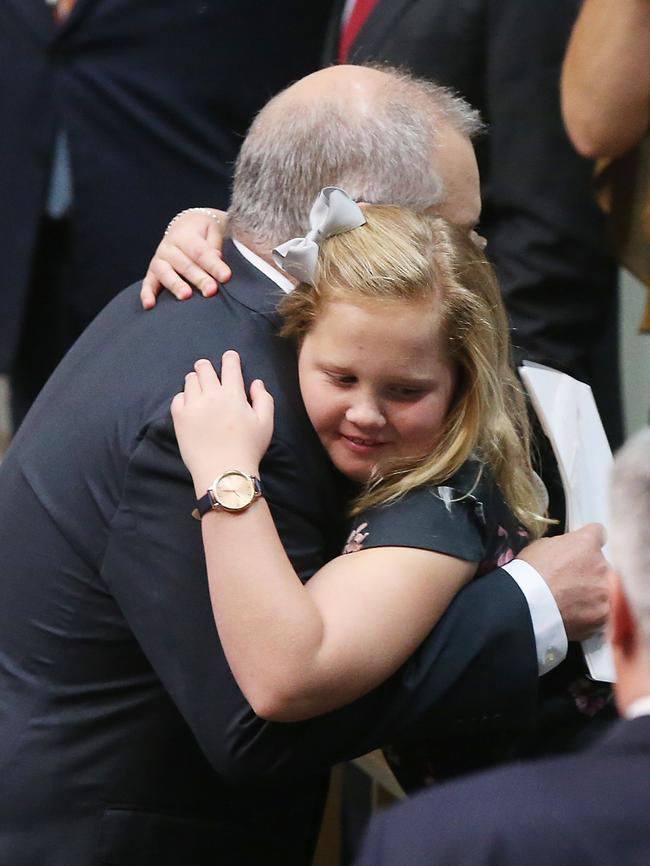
(205, 476)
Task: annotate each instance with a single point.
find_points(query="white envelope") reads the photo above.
(567, 412)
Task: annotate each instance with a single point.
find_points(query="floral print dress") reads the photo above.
(467, 517)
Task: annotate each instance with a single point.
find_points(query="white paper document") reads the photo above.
(568, 414)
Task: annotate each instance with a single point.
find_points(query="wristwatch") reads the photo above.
(233, 490)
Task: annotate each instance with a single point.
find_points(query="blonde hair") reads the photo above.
(400, 255)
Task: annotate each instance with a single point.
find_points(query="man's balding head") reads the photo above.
(379, 133)
(358, 87)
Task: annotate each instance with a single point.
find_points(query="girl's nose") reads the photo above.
(365, 414)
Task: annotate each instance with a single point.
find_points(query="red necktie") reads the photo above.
(356, 19)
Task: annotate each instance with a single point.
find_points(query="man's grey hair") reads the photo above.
(294, 149)
(629, 529)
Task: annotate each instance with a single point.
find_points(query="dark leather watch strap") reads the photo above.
(207, 502)
(203, 505)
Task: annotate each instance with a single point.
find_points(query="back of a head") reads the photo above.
(629, 529)
(372, 132)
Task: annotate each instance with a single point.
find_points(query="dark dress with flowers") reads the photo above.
(467, 517)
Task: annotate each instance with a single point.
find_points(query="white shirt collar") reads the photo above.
(268, 270)
(640, 707)
(347, 11)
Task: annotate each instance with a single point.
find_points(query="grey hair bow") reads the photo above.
(333, 213)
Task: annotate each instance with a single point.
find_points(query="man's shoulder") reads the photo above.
(172, 336)
(121, 374)
(537, 812)
(135, 361)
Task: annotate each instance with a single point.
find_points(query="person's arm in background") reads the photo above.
(606, 77)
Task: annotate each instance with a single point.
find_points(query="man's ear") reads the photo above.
(622, 625)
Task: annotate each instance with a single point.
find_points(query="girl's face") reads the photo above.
(376, 381)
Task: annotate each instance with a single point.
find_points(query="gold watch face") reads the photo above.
(234, 490)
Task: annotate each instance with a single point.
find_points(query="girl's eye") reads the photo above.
(341, 379)
(405, 394)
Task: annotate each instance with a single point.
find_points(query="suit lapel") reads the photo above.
(380, 24)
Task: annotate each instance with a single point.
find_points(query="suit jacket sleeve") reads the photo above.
(544, 229)
(154, 567)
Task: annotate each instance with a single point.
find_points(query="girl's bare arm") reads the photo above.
(298, 651)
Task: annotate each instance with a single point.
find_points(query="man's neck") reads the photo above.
(246, 241)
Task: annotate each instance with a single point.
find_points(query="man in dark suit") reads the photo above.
(545, 233)
(123, 736)
(114, 114)
(587, 810)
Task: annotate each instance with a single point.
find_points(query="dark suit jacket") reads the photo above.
(545, 233)
(589, 809)
(155, 97)
(123, 736)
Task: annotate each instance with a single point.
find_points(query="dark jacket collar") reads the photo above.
(250, 286)
(629, 735)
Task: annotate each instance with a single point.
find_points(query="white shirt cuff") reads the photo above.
(550, 636)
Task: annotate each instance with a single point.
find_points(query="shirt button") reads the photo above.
(550, 657)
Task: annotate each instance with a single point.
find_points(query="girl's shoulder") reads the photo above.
(455, 517)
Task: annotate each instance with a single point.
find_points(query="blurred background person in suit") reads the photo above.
(116, 113)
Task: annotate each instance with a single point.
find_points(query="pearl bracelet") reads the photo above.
(206, 210)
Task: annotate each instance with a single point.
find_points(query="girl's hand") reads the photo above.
(216, 427)
(190, 250)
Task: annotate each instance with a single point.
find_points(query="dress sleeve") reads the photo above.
(446, 519)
